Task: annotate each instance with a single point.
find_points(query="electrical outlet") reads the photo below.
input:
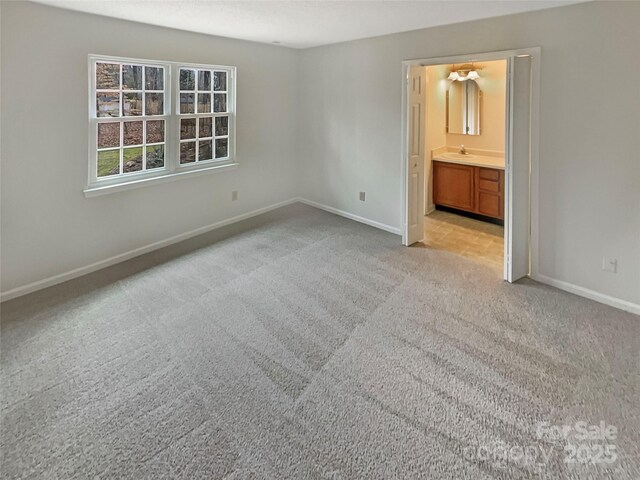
(234, 195)
(610, 264)
(362, 196)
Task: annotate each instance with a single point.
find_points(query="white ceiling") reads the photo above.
(300, 23)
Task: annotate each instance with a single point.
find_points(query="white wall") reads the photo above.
(350, 106)
(48, 226)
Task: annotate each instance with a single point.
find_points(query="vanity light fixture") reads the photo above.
(453, 76)
(464, 72)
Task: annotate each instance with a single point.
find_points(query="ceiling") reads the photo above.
(299, 23)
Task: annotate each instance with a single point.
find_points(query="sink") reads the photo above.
(456, 156)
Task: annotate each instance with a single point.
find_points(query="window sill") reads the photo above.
(96, 190)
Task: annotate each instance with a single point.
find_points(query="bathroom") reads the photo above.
(464, 150)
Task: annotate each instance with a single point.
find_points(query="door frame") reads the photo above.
(535, 54)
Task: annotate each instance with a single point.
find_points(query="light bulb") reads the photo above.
(473, 75)
(453, 76)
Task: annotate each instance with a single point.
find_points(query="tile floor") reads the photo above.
(465, 236)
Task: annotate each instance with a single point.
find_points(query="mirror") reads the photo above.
(463, 107)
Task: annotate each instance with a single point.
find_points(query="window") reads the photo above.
(204, 115)
(135, 134)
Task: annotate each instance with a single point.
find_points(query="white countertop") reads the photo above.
(471, 159)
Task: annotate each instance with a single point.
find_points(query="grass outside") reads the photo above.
(109, 160)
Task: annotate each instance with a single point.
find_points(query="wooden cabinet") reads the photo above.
(453, 185)
(467, 187)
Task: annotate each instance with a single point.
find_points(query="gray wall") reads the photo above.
(48, 226)
(350, 106)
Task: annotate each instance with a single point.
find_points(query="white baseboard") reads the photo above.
(78, 272)
(351, 216)
(429, 210)
(587, 293)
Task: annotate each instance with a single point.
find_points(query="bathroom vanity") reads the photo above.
(473, 183)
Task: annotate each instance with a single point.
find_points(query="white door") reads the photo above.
(415, 170)
(517, 218)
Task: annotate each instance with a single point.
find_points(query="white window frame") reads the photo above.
(172, 168)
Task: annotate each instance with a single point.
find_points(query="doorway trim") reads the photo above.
(535, 54)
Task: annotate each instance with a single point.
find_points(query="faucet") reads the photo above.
(463, 150)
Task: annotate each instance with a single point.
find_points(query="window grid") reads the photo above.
(145, 146)
(124, 119)
(213, 93)
(122, 91)
(193, 85)
(197, 138)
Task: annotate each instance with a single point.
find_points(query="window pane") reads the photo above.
(222, 148)
(187, 79)
(155, 157)
(107, 76)
(132, 159)
(108, 104)
(186, 103)
(154, 103)
(132, 104)
(132, 133)
(205, 127)
(204, 103)
(220, 81)
(187, 128)
(222, 126)
(220, 102)
(153, 78)
(108, 135)
(187, 152)
(204, 80)
(131, 77)
(155, 131)
(205, 150)
(108, 162)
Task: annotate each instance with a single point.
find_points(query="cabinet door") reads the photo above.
(490, 192)
(489, 204)
(453, 185)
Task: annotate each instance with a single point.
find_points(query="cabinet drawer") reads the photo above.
(489, 185)
(489, 174)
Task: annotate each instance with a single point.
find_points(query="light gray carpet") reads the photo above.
(304, 345)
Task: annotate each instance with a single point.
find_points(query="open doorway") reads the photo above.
(470, 157)
(464, 154)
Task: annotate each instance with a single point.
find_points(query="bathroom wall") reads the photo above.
(492, 83)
